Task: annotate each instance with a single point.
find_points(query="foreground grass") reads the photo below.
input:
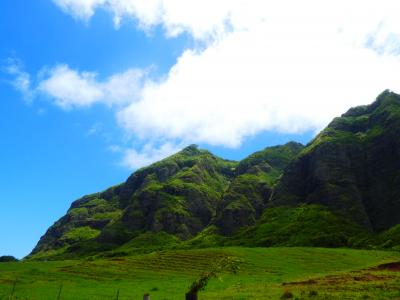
(265, 273)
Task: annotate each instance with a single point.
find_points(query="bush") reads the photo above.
(8, 258)
(287, 295)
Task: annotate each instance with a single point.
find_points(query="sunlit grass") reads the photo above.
(168, 274)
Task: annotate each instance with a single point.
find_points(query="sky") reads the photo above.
(91, 90)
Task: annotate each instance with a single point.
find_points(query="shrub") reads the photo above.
(8, 258)
(287, 295)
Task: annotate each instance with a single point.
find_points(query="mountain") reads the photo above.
(178, 195)
(351, 167)
(342, 189)
(177, 198)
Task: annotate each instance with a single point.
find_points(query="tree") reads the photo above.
(8, 258)
(226, 264)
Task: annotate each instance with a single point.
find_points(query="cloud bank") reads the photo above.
(287, 66)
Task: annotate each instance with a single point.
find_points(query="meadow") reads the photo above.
(264, 273)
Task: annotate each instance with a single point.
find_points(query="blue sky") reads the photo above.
(93, 89)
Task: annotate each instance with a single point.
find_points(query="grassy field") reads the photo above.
(265, 273)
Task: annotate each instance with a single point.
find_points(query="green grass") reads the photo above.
(168, 274)
(304, 225)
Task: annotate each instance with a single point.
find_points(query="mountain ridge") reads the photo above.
(355, 157)
(341, 189)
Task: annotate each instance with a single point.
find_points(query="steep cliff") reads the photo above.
(352, 167)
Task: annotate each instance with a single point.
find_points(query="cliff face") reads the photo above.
(352, 167)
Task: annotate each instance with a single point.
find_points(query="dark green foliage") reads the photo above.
(287, 295)
(7, 258)
(391, 238)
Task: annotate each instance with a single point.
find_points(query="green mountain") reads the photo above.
(171, 200)
(351, 167)
(178, 195)
(342, 189)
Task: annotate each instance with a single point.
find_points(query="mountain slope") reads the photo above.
(352, 167)
(178, 195)
(168, 202)
(248, 194)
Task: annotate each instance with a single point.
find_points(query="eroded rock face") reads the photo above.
(353, 166)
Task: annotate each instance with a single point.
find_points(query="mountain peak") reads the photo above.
(192, 149)
(352, 166)
(384, 99)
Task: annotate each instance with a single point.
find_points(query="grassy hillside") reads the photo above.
(265, 273)
(305, 225)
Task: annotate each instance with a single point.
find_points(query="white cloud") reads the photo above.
(148, 154)
(200, 18)
(206, 18)
(287, 66)
(290, 72)
(21, 79)
(124, 87)
(69, 88)
(83, 9)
